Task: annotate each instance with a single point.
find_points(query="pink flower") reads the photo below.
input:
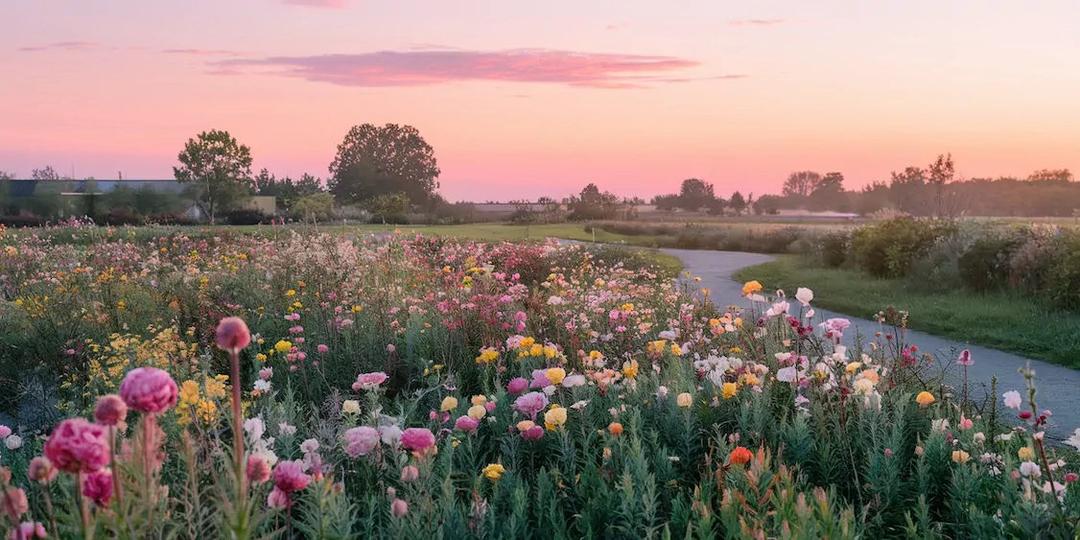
(278, 499)
(76, 445)
(28, 530)
(110, 410)
(399, 508)
(534, 433)
(98, 487)
(517, 385)
(5, 432)
(258, 469)
(369, 381)
(466, 423)
(149, 390)
(530, 404)
(232, 334)
(1071, 477)
(418, 440)
(835, 327)
(266, 373)
(359, 441)
(14, 503)
(322, 348)
(409, 473)
(41, 470)
(539, 379)
(965, 358)
(289, 476)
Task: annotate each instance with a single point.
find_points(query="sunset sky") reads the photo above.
(523, 99)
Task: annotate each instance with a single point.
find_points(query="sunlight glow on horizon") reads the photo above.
(521, 101)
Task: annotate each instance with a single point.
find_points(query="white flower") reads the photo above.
(662, 392)
(350, 406)
(668, 335)
(309, 446)
(262, 385)
(254, 428)
(579, 405)
(804, 296)
(940, 424)
(787, 374)
(1012, 399)
(391, 435)
(1074, 441)
(571, 381)
(1029, 468)
(555, 301)
(13, 442)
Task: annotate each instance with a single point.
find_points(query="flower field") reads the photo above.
(215, 385)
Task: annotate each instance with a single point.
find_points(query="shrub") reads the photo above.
(246, 216)
(831, 248)
(985, 264)
(1062, 284)
(889, 249)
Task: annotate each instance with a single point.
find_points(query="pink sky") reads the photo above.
(528, 99)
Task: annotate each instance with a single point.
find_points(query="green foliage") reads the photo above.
(373, 161)
(221, 168)
(890, 248)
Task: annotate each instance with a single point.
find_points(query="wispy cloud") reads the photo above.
(426, 67)
(756, 22)
(61, 46)
(202, 52)
(332, 4)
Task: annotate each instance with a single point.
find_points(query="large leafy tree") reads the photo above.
(695, 193)
(220, 166)
(801, 183)
(374, 161)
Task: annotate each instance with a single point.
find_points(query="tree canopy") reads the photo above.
(373, 161)
(221, 167)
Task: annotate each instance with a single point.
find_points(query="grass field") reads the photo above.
(997, 320)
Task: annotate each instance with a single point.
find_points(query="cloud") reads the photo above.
(426, 67)
(756, 22)
(202, 52)
(331, 4)
(61, 46)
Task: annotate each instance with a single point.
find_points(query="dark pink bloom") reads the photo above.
(110, 410)
(517, 385)
(467, 424)
(534, 433)
(417, 439)
(232, 334)
(258, 469)
(149, 390)
(965, 358)
(98, 487)
(76, 445)
(278, 499)
(289, 476)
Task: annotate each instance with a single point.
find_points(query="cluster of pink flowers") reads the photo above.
(369, 381)
(289, 477)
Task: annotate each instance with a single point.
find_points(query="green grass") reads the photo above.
(998, 320)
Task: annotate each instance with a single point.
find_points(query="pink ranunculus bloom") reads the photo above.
(418, 440)
(14, 503)
(98, 487)
(835, 327)
(41, 470)
(369, 381)
(257, 469)
(110, 410)
(517, 385)
(28, 530)
(289, 476)
(322, 348)
(278, 499)
(360, 441)
(530, 404)
(409, 473)
(965, 358)
(266, 373)
(534, 433)
(466, 423)
(76, 445)
(149, 390)
(399, 507)
(232, 334)
(4, 432)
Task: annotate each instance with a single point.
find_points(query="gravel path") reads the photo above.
(1059, 387)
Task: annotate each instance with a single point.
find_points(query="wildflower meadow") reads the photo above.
(216, 384)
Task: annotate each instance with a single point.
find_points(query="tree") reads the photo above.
(906, 190)
(373, 161)
(591, 203)
(314, 207)
(828, 193)
(737, 203)
(1051, 175)
(801, 184)
(45, 173)
(219, 165)
(666, 203)
(695, 193)
(388, 207)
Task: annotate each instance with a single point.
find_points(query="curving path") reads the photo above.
(1058, 386)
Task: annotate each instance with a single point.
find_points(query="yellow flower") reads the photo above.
(555, 417)
(630, 369)
(924, 399)
(550, 352)
(449, 403)
(215, 386)
(536, 350)
(1025, 453)
(283, 346)
(960, 456)
(487, 355)
(477, 412)
(676, 350)
(260, 357)
(751, 287)
(555, 375)
(290, 293)
(684, 400)
(729, 390)
(494, 471)
(350, 406)
(189, 392)
(478, 399)
(852, 367)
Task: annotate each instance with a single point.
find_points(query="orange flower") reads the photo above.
(615, 428)
(740, 456)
